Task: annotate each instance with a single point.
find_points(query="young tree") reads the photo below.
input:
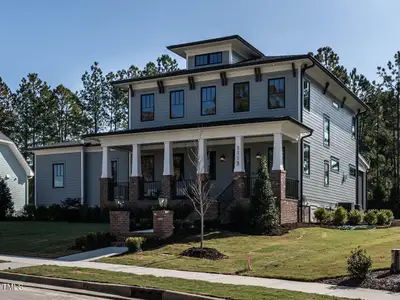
(263, 210)
(199, 189)
(6, 203)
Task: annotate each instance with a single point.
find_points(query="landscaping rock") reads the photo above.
(207, 253)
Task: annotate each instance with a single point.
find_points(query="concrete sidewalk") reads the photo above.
(307, 287)
(94, 254)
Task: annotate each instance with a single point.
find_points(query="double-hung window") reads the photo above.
(327, 131)
(208, 100)
(306, 94)
(334, 164)
(147, 107)
(326, 173)
(177, 104)
(306, 159)
(208, 59)
(276, 93)
(241, 94)
(58, 175)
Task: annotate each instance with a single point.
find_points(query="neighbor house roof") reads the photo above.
(7, 141)
(67, 144)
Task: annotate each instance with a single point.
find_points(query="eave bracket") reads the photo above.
(160, 85)
(224, 79)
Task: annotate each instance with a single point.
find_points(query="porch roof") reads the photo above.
(203, 125)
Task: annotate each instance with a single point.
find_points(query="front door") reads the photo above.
(247, 162)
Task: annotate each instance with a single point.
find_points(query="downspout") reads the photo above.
(303, 70)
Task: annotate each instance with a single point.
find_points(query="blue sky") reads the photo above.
(59, 40)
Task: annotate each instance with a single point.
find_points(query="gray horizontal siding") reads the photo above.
(191, 61)
(45, 193)
(9, 165)
(342, 146)
(224, 105)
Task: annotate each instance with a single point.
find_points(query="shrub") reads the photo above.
(381, 218)
(146, 223)
(71, 202)
(355, 217)
(187, 224)
(370, 217)
(134, 244)
(214, 224)
(390, 216)
(93, 241)
(182, 211)
(358, 263)
(339, 216)
(29, 211)
(42, 213)
(321, 214)
(263, 211)
(6, 202)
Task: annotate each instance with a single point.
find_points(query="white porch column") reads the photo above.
(202, 163)
(136, 161)
(239, 155)
(277, 163)
(106, 164)
(168, 159)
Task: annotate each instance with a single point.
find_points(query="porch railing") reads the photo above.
(292, 188)
(151, 189)
(180, 188)
(121, 191)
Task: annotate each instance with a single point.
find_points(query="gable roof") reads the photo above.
(7, 141)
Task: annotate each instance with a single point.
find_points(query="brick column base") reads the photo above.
(239, 185)
(163, 223)
(119, 221)
(168, 186)
(106, 191)
(135, 188)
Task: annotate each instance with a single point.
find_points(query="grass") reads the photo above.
(43, 239)
(228, 291)
(303, 254)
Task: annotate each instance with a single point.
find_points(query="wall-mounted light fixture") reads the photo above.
(258, 155)
(222, 158)
(6, 176)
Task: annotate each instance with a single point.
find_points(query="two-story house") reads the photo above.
(231, 105)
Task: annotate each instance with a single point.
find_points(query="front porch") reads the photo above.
(164, 163)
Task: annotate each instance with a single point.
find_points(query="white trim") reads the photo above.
(168, 159)
(105, 163)
(208, 49)
(82, 175)
(19, 157)
(239, 155)
(65, 150)
(136, 163)
(215, 132)
(363, 161)
(202, 162)
(277, 163)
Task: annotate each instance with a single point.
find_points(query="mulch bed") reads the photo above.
(379, 280)
(207, 253)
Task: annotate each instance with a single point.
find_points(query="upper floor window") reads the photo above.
(177, 104)
(208, 100)
(241, 97)
(352, 171)
(306, 94)
(276, 93)
(208, 59)
(58, 175)
(334, 164)
(147, 107)
(326, 173)
(306, 159)
(327, 133)
(353, 127)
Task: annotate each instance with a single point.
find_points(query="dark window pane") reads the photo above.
(353, 127)
(177, 104)
(326, 173)
(306, 159)
(179, 170)
(306, 94)
(352, 171)
(326, 131)
(58, 175)
(276, 93)
(147, 107)
(334, 164)
(208, 100)
(241, 97)
(148, 167)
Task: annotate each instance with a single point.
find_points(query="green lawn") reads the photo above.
(228, 291)
(43, 239)
(304, 253)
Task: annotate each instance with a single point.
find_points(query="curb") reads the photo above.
(114, 289)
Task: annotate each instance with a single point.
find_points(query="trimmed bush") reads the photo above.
(134, 244)
(355, 217)
(390, 216)
(339, 216)
(381, 218)
(370, 217)
(358, 263)
(29, 211)
(321, 214)
(93, 241)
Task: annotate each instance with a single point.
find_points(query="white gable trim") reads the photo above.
(19, 157)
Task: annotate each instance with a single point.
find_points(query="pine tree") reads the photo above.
(263, 210)
(6, 203)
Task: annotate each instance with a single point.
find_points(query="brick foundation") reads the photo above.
(135, 189)
(163, 223)
(239, 185)
(106, 192)
(119, 222)
(168, 186)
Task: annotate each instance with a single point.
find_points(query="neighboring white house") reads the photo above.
(15, 170)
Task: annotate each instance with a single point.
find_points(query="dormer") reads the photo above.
(214, 52)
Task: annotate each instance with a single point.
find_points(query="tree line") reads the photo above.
(37, 114)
